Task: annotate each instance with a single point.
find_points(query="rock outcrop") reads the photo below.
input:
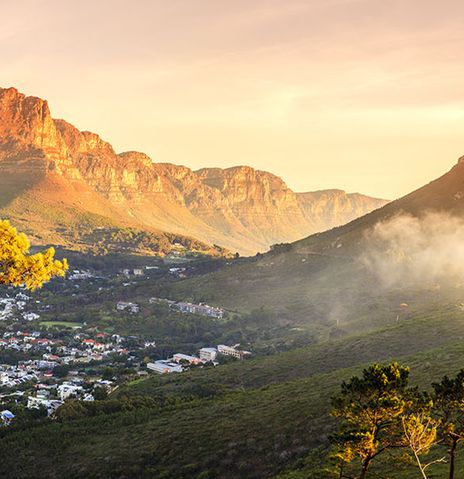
(241, 208)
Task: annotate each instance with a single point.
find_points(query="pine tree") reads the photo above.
(449, 407)
(370, 410)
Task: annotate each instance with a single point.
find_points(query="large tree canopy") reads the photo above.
(18, 267)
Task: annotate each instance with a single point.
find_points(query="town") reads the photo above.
(45, 363)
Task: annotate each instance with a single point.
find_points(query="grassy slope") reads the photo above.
(274, 413)
(60, 212)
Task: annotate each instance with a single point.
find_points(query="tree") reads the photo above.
(370, 410)
(100, 393)
(449, 408)
(420, 429)
(19, 268)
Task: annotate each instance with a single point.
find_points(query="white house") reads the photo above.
(67, 390)
(131, 307)
(37, 402)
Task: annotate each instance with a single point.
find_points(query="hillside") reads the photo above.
(445, 195)
(252, 419)
(48, 168)
(411, 243)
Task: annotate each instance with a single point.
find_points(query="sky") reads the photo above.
(362, 95)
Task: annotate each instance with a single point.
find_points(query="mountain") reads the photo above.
(443, 196)
(320, 283)
(327, 208)
(57, 180)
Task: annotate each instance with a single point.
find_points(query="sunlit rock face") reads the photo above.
(329, 208)
(241, 208)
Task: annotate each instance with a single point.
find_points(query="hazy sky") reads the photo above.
(364, 95)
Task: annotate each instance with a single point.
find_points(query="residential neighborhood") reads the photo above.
(47, 360)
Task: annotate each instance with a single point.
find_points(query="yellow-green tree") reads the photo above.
(18, 267)
(369, 409)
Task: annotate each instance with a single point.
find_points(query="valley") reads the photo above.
(266, 416)
(202, 330)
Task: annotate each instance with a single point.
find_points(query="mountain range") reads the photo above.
(314, 316)
(69, 187)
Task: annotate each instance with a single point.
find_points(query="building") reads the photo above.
(164, 366)
(179, 357)
(43, 364)
(76, 274)
(201, 309)
(232, 351)
(67, 390)
(208, 354)
(131, 307)
(6, 416)
(138, 272)
(39, 402)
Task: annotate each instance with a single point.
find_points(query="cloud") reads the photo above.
(406, 250)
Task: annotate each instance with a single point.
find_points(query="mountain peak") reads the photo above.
(136, 156)
(26, 120)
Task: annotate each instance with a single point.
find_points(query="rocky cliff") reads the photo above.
(49, 165)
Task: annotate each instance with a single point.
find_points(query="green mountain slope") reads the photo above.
(260, 418)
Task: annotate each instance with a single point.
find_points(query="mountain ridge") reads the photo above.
(241, 208)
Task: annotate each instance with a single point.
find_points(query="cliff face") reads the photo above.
(329, 208)
(241, 208)
(261, 201)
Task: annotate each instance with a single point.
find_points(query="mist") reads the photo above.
(421, 251)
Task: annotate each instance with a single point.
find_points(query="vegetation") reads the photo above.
(19, 268)
(103, 241)
(449, 402)
(247, 419)
(371, 409)
(265, 417)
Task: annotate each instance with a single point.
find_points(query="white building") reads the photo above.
(37, 402)
(67, 390)
(131, 307)
(229, 351)
(208, 354)
(164, 367)
(31, 316)
(201, 309)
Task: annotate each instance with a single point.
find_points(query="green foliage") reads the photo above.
(449, 408)
(132, 240)
(370, 410)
